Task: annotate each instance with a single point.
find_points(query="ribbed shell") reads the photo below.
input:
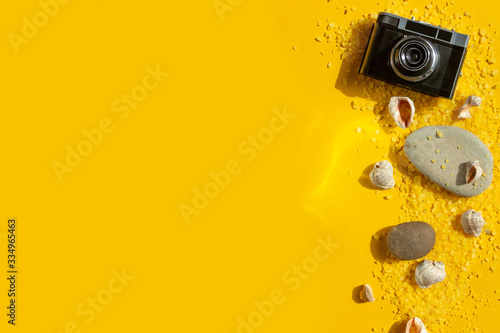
(470, 102)
(382, 175)
(429, 272)
(473, 222)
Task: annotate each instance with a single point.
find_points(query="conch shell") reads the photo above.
(429, 272)
(415, 325)
(474, 172)
(402, 110)
(473, 222)
(367, 293)
(381, 175)
(470, 102)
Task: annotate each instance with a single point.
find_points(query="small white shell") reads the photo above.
(381, 175)
(367, 293)
(402, 110)
(474, 172)
(473, 222)
(415, 325)
(429, 272)
(470, 102)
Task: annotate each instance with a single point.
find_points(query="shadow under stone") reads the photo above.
(378, 247)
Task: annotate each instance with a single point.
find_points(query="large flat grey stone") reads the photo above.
(456, 145)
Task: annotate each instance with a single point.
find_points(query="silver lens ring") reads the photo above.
(414, 58)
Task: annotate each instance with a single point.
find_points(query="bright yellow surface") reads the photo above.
(233, 76)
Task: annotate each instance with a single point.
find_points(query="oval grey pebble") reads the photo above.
(428, 152)
(411, 240)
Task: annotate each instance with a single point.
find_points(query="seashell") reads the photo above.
(402, 110)
(470, 102)
(429, 272)
(415, 325)
(472, 222)
(474, 172)
(381, 175)
(367, 294)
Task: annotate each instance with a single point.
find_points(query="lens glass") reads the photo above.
(414, 58)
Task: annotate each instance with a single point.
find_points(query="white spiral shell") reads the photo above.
(470, 102)
(382, 175)
(473, 222)
(429, 272)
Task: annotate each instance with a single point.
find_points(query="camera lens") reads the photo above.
(414, 58)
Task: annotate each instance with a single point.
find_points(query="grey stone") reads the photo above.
(457, 146)
(411, 240)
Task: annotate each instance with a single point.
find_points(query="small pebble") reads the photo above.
(411, 240)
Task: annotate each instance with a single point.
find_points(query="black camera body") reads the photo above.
(415, 55)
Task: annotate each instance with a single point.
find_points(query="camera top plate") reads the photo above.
(424, 29)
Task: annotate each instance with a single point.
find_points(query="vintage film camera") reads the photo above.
(415, 55)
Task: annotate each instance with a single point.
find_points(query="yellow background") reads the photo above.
(119, 208)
